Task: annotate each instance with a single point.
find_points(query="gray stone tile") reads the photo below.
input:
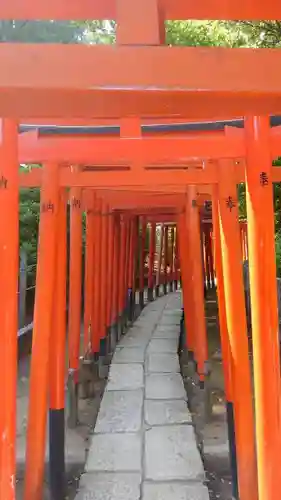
(163, 345)
(135, 340)
(164, 386)
(120, 411)
(129, 355)
(115, 453)
(171, 454)
(124, 377)
(166, 328)
(175, 491)
(169, 320)
(175, 311)
(162, 363)
(166, 333)
(166, 412)
(110, 486)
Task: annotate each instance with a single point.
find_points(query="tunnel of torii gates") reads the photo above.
(137, 77)
(117, 181)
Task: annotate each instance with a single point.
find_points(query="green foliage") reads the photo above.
(204, 34)
(259, 34)
(41, 31)
(29, 219)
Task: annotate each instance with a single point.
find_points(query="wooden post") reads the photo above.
(237, 329)
(9, 259)
(159, 276)
(22, 287)
(186, 276)
(96, 280)
(207, 259)
(166, 256)
(225, 345)
(103, 273)
(116, 276)
(176, 275)
(172, 259)
(75, 292)
(263, 290)
(204, 257)
(152, 240)
(57, 362)
(142, 237)
(89, 274)
(43, 321)
(134, 263)
(109, 280)
(131, 270)
(211, 258)
(201, 347)
(127, 272)
(121, 275)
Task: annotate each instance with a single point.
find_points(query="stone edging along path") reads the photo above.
(144, 446)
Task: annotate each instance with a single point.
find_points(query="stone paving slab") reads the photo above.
(174, 491)
(171, 454)
(169, 321)
(110, 486)
(144, 446)
(129, 355)
(166, 412)
(172, 312)
(164, 386)
(165, 328)
(163, 345)
(115, 453)
(166, 333)
(134, 341)
(124, 377)
(120, 411)
(139, 331)
(163, 363)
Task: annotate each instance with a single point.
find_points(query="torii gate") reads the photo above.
(61, 150)
(193, 180)
(139, 78)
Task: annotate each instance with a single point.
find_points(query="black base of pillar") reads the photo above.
(57, 454)
(141, 298)
(190, 354)
(131, 305)
(125, 320)
(117, 331)
(165, 288)
(171, 285)
(150, 294)
(103, 347)
(157, 290)
(232, 449)
(181, 345)
(176, 284)
(72, 392)
(121, 326)
(112, 337)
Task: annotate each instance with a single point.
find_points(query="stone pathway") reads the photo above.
(144, 445)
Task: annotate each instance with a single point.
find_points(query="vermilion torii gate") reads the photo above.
(138, 78)
(199, 175)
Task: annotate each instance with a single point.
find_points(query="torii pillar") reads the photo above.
(263, 291)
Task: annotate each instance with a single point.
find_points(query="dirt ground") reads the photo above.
(78, 439)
